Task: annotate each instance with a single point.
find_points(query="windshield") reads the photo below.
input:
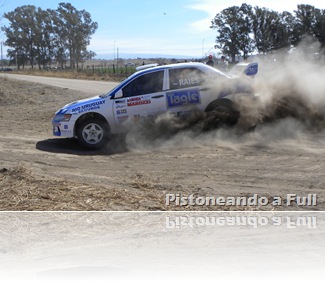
(117, 87)
(214, 72)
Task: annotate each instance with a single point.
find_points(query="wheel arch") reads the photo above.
(89, 115)
(223, 101)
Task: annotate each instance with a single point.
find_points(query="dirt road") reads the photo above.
(40, 172)
(86, 86)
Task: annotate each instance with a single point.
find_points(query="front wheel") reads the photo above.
(222, 112)
(93, 133)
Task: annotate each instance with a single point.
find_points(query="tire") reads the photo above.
(222, 112)
(93, 133)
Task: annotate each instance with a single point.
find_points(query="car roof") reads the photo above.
(204, 67)
(198, 65)
(174, 65)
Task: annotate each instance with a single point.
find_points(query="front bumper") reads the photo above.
(56, 129)
(62, 129)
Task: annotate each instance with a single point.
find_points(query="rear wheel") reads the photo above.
(93, 133)
(222, 112)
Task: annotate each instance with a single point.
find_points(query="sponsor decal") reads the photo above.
(138, 101)
(188, 81)
(122, 118)
(65, 127)
(183, 98)
(121, 106)
(66, 131)
(134, 99)
(192, 81)
(88, 107)
(121, 111)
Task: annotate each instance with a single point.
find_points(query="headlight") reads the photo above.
(66, 117)
(62, 117)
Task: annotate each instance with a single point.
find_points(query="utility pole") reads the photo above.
(114, 50)
(1, 57)
(203, 54)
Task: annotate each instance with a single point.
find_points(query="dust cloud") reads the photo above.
(290, 106)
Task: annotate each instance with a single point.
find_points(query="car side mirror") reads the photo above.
(118, 94)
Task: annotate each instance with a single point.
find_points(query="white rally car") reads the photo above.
(176, 89)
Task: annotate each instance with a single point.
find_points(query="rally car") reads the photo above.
(169, 89)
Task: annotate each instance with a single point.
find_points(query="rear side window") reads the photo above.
(145, 84)
(185, 77)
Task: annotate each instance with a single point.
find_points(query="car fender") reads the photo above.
(90, 115)
(215, 102)
(237, 96)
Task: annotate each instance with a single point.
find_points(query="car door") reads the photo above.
(143, 97)
(185, 90)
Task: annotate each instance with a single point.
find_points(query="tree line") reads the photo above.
(243, 30)
(42, 37)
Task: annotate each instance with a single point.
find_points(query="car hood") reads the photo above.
(84, 103)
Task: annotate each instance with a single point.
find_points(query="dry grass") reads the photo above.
(20, 190)
(82, 75)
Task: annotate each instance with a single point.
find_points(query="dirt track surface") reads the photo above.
(40, 172)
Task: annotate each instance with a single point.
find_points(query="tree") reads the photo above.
(307, 19)
(290, 25)
(243, 29)
(310, 26)
(311, 22)
(234, 28)
(272, 30)
(41, 36)
(21, 36)
(319, 29)
(45, 38)
(74, 29)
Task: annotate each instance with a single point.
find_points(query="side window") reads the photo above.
(145, 84)
(185, 77)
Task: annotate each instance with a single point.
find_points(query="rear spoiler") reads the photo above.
(251, 69)
(142, 67)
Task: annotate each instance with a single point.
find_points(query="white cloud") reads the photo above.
(212, 7)
(209, 8)
(201, 25)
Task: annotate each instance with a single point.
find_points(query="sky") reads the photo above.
(168, 27)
